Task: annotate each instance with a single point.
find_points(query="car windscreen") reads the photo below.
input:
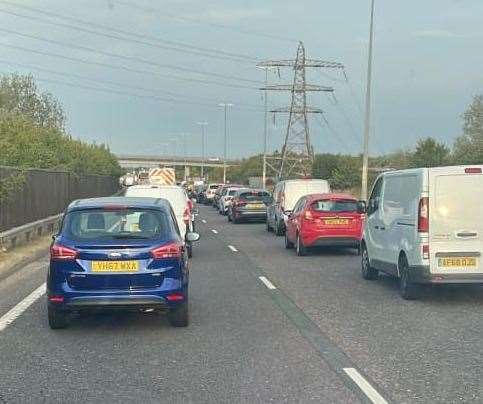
(116, 224)
(232, 192)
(341, 205)
(214, 186)
(255, 196)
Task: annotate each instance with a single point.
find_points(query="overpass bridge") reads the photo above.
(133, 161)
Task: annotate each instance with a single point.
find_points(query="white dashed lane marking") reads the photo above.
(17, 310)
(365, 386)
(267, 283)
(214, 231)
(232, 248)
(203, 220)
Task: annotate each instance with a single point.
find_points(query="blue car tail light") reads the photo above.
(59, 252)
(169, 250)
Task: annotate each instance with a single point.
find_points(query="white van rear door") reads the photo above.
(456, 219)
(294, 190)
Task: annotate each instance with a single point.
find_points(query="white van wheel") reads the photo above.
(407, 289)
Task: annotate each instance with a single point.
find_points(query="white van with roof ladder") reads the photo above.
(425, 225)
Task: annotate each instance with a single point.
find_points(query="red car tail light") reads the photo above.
(423, 215)
(62, 253)
(170, 250)
(308, 216)
(187, 215)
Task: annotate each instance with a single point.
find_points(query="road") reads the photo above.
(266, 326)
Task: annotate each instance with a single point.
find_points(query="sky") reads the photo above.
(140, 75)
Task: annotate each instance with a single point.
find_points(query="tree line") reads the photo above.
(33, 134)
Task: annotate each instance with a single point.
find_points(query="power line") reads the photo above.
(111, 91)
(121, 85)
(352, 92)
(335, 134)
(341, 110)
(130, 58)
(125, 68)
(128, 33)
(198, 21)
(200, 52)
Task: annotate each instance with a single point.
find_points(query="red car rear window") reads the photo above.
(335, 206)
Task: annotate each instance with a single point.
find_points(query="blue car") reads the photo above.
(118, 253)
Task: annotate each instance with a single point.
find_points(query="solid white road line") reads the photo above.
(232, 248)
(17, 310)
(267, 283)
(203, 220)
(365, 386)
(214, 231)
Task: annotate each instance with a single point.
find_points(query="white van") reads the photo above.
(285, 196)
(425, 225)
(179, 200)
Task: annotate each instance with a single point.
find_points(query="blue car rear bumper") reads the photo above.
(140, 298)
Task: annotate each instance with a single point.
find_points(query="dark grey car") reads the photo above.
(249, 204)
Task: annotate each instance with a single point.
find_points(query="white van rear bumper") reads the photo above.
(422, 274)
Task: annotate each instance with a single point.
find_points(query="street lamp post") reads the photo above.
(265, 134)
(265, 127)
(203, 124)
(183, 135)
(367, 122)
(225, 106)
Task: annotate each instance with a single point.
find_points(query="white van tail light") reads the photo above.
(473, 170)
(423, 215)
(426, 251)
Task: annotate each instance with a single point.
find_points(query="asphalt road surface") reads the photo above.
(266, 326)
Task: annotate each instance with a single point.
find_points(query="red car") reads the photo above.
(325, 220)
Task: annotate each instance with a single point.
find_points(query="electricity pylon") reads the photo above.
(297, 154)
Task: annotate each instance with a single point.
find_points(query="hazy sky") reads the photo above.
(428, 65)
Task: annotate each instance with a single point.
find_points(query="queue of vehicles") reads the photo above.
(422, 226)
